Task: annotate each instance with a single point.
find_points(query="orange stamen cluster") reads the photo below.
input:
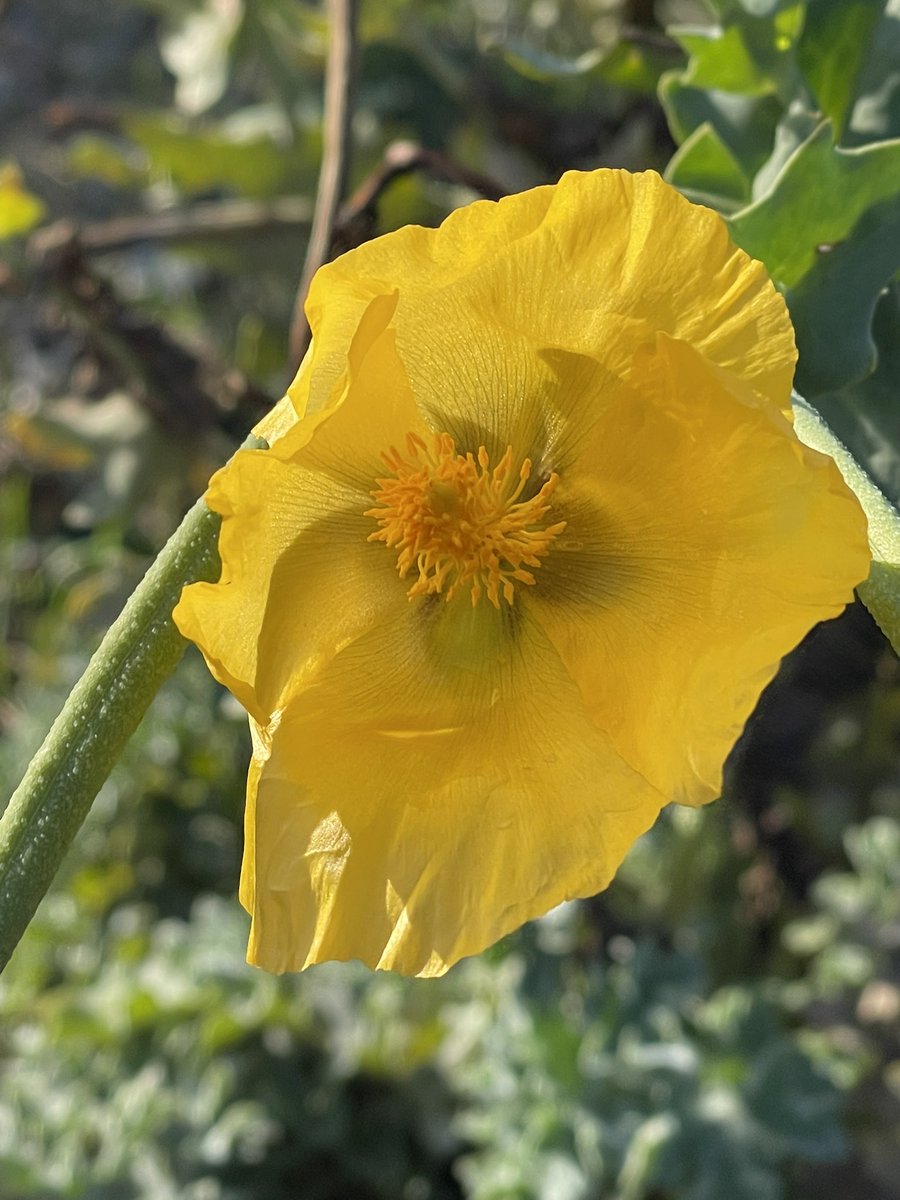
(460, 523)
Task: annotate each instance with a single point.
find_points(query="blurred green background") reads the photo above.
(724, 1022)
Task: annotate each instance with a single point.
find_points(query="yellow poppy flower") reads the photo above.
(533, 533)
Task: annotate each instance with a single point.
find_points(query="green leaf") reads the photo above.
(707, 172)
(45, 442)
(196, 160)
(881, 591)
(112, 161)
(816, 200)
(745, 125)
(739, 77)
(833, 306)
(831, 50)
(876, 112)
(211, 157)
(719, 58)
(866, 416)
(751, 58)
(791, 132)
(625, 64)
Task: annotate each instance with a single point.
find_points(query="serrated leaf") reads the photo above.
(744, 124)
(831, 50)
(791, 132)
(881, 591)
(750, 58)
(816, 200)
(833, 306)
(737, 80)
(706, 171)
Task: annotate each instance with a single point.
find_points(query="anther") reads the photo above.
(459, 523)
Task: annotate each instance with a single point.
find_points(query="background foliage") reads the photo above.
(725, 1020)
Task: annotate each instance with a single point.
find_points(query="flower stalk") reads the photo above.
(134, 659)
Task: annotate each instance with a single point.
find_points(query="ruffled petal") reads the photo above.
(299, 578)
(438, 785)
(704, 541)
(282, 417)
(597, 265)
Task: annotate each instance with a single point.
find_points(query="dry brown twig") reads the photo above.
(356, 220)
(205, 221)
(335, 158)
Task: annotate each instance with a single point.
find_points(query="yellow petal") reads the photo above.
(282, 418)
(299, 578)
(704, 541)
(597, 264)
(427, 775)
(437, 786)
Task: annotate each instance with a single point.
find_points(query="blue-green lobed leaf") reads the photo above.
(832, 48)
(833, 306)
(816, 200)
(707, 172)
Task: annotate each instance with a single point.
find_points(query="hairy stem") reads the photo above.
(138, 653)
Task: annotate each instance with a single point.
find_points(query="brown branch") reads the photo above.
(335, 156)
(356, 220)
(201, 222)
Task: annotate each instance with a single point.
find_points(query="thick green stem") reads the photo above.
(138, 653)
(881, 591)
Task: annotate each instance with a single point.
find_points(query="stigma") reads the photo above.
(458, 523)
